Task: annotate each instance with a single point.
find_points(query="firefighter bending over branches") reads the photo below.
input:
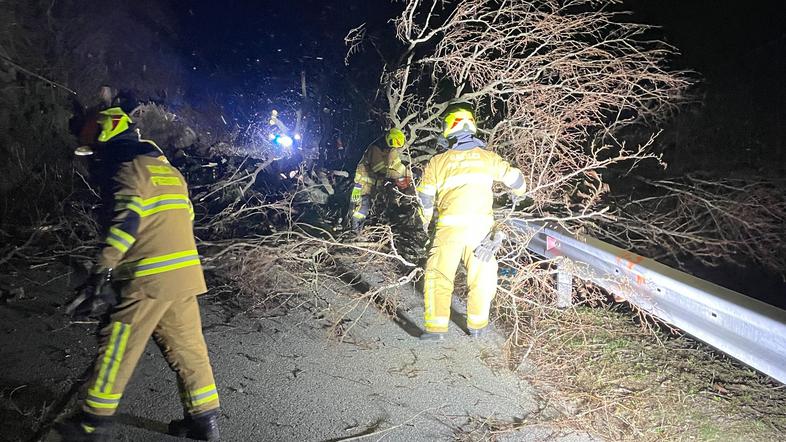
(457, 184)
(149, 256)
(379, 168)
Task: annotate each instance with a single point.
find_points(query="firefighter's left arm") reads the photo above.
(377, 160)
(123, 230)
(510, 176)
(427, 194)
(396, 168)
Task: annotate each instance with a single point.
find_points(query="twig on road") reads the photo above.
(386, 430)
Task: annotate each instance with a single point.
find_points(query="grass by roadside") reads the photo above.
(624, 381)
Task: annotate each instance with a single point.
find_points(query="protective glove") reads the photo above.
(517, 198)
(489, 246)
(93, 298)
(356, 193)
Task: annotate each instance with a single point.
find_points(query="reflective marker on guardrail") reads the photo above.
(742, 327)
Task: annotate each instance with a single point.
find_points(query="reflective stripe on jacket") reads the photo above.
(458, 184)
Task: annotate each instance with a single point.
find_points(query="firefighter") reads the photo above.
(457, 185)
(377, 168)
(149, 255)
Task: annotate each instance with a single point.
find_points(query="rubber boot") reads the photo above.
(477, 332)
(86, 427)
(432, 337)
(202, 426)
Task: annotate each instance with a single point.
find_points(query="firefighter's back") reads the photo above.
(163, 263)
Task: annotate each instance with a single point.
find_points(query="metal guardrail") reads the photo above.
(744, 328)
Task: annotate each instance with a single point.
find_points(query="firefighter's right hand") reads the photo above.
(488, 247)
(403, 183)
(518, 198)
(93, 297)
(356, 194)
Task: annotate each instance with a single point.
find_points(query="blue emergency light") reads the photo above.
(283, 140)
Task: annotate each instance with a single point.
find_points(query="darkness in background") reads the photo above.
(249, 52)
(739, 48)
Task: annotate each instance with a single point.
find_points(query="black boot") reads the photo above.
(477, 332)
(202, 426)
(85, 427)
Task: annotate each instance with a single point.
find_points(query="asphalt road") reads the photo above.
(286, 378)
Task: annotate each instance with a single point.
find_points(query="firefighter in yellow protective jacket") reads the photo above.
(457, 185)
(378, 166)
(150, 257)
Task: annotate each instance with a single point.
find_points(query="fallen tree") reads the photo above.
(553, 83)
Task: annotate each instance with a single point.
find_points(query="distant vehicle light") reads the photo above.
(283, 140)
(271, 137)
(297, 136)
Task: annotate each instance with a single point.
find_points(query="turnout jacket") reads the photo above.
(149, 242)
(376, 165)
(459, 184)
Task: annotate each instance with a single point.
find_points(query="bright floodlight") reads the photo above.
(284, 140)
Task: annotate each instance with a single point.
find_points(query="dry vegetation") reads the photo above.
(554, 82)
(733, 219)
(626, 381)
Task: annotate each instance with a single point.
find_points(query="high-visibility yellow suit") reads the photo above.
(151, 250)
(376, 166)
(457, 185)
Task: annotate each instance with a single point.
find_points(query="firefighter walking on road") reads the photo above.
(457, 185)
(377, 168)
(149, 255)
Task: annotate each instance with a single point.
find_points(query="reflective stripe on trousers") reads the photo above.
(200, 396)
(176, 327)
(100, 394)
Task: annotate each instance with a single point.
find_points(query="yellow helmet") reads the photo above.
(458, 118)
(112, 122)
(395, 138)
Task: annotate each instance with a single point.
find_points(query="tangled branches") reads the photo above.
(552, 83)
(713, 221)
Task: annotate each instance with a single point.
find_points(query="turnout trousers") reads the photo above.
(176, 327)
(452, 245)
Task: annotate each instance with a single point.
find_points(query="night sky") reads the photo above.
(732, 44)
(245, 53)
(254, 47)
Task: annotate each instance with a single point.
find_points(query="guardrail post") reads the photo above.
(564, 285)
